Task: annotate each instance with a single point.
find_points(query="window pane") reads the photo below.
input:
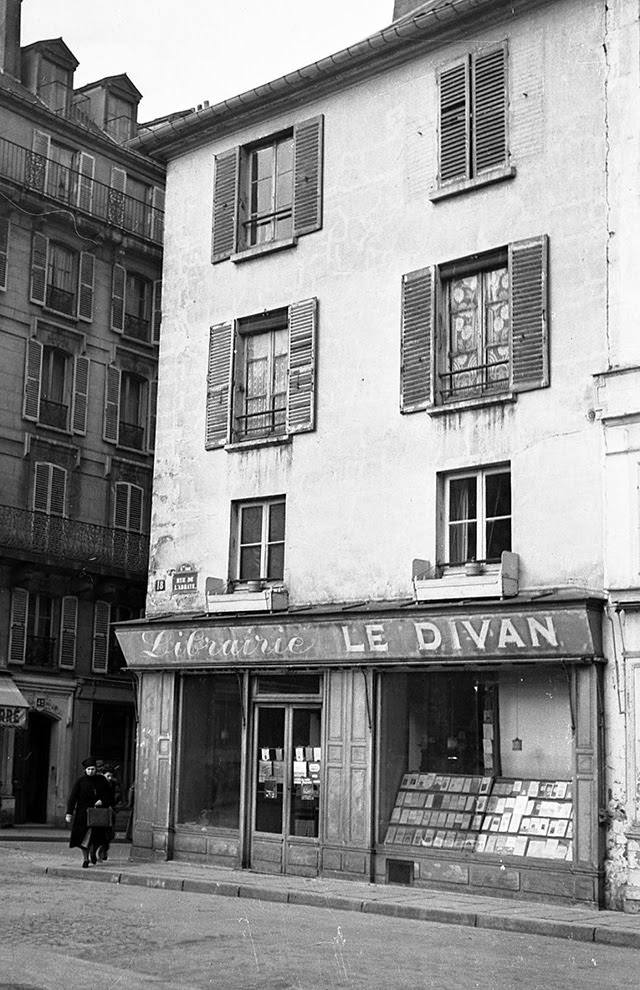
(269, 787)
(251, 524)
(498, 494)
(462, 542)
(497, 324)
(276, 522)
(462, 498)
(209, 791)
(498, 538)
(249, 564)
(275, 562)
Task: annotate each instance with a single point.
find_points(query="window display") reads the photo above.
(477, 761)
(209, 781)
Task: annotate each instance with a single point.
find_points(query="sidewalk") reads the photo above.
(48, 851)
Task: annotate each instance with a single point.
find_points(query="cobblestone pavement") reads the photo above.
(64, 933)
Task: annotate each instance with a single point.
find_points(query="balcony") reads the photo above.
(41, 652)
(40, 535)
(136, 327)
(131, 435)
(84, 195)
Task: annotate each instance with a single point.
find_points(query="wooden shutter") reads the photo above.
(417, 348)
(68, 631)
(18, 625)
(157, 219)
(32, 380)
(301, 391)
(454, 123)
(86, 169)
(225, 205)
(151, 415)
(307, 175)
(489, 110)
(121, 505)
(118, 289)
(86, 277)
(39, 254)
(111, 424)
(80, 394)
(136, 499)
(41, 487)
(156, 311)
(58, 490)
(529, 320)
(4, 251)
(115, 209)
(101, 618)
(219, 385)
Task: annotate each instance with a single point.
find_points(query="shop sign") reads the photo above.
(478, 637)
(13, 705)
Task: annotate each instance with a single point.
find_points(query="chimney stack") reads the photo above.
(10, 37)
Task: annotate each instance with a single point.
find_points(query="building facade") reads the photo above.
(380, 641)
(81, 225)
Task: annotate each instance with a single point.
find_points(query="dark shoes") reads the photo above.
(85, 863)
(102, 853)
(93, 858)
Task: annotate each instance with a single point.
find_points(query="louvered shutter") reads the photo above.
(18, 625)
(151, 415)
(86, 169)
(39, 252)
(4, 251)
(101, 618)
(58, 490)
(529, 321)
(307, 175)
(218, 385)
(118, 288)
(489, 111)
(225, 205)
(111, 425)
(68, 631)
(417, 340)
(42, 487)
(80, 394)
(37, 162)
(32, 380)
(121, 505)
(86, 277)
(454, 123)
(157, 220)
(136, 496)
(301, 390)
(156, 311)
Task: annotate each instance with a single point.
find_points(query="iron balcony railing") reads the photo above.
(79, 192)
(69, 540)
(40, 652)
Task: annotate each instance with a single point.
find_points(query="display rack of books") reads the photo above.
(439, 810)
(528, 818)
(503, 816)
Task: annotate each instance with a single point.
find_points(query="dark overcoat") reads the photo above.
(84, 794)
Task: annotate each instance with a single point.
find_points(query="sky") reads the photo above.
(181, 53)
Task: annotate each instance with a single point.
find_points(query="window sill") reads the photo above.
(460, 186)
(237, 445)
(483, 400)
(247, 254)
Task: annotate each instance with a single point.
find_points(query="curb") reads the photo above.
(520, 924)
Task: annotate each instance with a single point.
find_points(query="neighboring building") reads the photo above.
(81, 225)
(377, 642)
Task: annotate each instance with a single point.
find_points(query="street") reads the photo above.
(64, 933)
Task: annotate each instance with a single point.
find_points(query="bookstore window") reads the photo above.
(477, 516)
(478, 761)
(258, 544)
(210, 752)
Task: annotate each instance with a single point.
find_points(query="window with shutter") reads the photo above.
(80, 395)
(127, 507)
(18, 625)
(156, 318)
(100, 654)
(473, 116)
(111, 404)
(86, 279)
(49, 489)
(86, 171)
(116, 197)
(117, 298)
(268, 192)
(4, 252)
(491, 339)
(32, 380)
(68, 632)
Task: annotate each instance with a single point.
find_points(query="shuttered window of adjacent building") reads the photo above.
(476, 328)
(473, 116)
(68, 631)
(4, 252)
(128, 503)
(49, 491)
(100, 653)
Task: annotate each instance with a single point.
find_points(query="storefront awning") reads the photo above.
(13, 704)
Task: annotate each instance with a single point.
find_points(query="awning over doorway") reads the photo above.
(13, 704)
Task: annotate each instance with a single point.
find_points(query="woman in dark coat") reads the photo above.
(89, 791)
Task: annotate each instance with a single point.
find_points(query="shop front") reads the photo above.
(457, 747)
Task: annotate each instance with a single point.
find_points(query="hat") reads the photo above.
(89, 762)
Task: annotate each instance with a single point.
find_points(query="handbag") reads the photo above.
(99, 817)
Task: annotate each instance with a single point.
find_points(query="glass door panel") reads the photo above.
(270, 770)
(305, 772)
